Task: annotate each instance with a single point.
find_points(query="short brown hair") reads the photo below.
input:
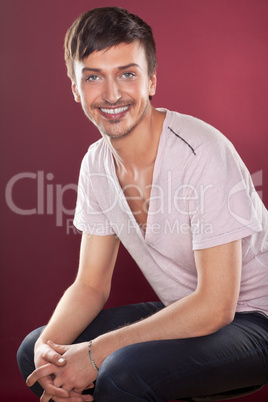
(103, 28)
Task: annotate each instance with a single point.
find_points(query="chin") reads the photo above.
(116, 135)
(117, 132)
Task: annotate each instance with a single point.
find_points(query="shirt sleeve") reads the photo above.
(88, 216)
(224, 205)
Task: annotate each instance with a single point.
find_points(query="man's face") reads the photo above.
(113, 87)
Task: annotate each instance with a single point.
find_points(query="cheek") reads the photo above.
(89, 95)
(137, 89)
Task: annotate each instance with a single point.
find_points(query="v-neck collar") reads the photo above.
(157, 168)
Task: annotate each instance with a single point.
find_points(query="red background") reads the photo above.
(213, 64)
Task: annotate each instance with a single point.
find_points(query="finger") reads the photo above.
(61, 386)
(87, 398)
(46, 397)
(42, 371)
(72, 399)
(53, 356)
(92, 385)
(42, 375)
(80, 390)
(80, 397)
(58, 348)
(48, 385)
(52, 390)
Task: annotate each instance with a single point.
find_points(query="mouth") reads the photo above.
(114, 113)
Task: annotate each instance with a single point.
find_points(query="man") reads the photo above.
(175, 192)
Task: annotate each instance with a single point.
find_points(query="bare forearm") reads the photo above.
(189, 317)
(74, 312)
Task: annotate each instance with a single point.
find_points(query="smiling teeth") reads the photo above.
(114, 111)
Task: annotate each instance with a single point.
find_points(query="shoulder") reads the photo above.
(190, 137)
(195, 131)
(97, 156)
(97, 149)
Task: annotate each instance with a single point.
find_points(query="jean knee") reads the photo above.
(112, 379)
(25, 358)
(25, 354)
(119, 379)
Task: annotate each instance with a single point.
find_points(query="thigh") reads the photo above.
(234, 357)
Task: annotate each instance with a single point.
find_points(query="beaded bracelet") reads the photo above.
(91, 357)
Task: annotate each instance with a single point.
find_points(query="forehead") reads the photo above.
(114, 57)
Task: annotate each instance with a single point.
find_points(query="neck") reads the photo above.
(138, 149)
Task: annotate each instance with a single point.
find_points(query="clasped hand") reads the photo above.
(64, 372)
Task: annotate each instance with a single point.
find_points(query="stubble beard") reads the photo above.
(115, 132)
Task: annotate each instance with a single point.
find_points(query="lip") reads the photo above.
(114, 116)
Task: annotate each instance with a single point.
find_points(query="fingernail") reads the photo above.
(61, 360)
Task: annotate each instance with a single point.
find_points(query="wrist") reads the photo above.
(97, 352)
(104, 345)
(92, 360)
(39, 343)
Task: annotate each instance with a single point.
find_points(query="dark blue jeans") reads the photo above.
(234, 357)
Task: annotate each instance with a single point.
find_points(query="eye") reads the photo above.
(92, 78)
(128, 75)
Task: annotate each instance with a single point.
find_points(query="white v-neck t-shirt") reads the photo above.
(201, 196)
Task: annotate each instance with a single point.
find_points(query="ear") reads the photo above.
(75, 92)
(152, 84)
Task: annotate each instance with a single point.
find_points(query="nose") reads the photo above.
(112, 91)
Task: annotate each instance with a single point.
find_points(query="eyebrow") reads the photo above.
(120, 68)
(128, 66)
